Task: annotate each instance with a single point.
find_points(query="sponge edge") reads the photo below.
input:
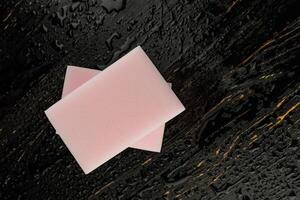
(76, 76)
(114, 110)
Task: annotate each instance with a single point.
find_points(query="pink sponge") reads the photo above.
(114, 110)
(76, 76)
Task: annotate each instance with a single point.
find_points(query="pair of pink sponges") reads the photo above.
(102, 114)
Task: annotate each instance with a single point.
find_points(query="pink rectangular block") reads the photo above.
(114, 110)
(76, 76)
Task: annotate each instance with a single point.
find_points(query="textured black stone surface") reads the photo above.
(233, 63)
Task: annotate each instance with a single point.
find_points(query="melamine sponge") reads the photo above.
(114, 110)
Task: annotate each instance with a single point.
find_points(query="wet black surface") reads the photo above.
(234, 65)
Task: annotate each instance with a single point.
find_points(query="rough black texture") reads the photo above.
(234, 65)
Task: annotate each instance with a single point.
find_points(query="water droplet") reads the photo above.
(70, 33)
(113, 5)
(61, 14)
(44, 28)
(110, 40)
(75, 25)
(99, 21)
(58, 45)
(74, 6)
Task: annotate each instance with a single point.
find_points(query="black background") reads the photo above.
(234, 65)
